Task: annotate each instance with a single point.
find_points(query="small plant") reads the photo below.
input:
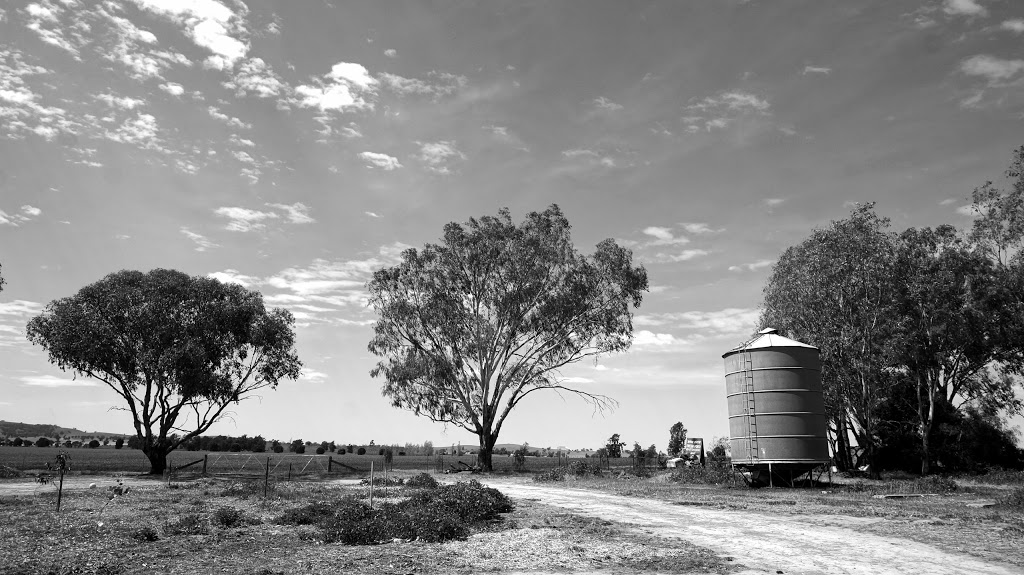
(228, 517)
(191, 524)
(144, 534)
(361, 451)
(320, 451)
(1014, 498)
(379, 480)
(278, 448)
(422, 481)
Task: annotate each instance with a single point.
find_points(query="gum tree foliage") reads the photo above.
(614, 446)
(470, 327)
(835, 291)
(1, 278)
(676, 439)
(177, 350)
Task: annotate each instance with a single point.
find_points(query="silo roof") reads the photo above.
(768, 338)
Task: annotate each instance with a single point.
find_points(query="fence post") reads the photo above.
(371, 484)
(289, 471)
(330, 461)
(266, 479)
(204, 463)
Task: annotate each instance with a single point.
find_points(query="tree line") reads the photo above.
(921, 332)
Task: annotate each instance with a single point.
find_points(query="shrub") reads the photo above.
(228, 517)
(1014, 498)
(144, 534)
(320, 451)
(235, 448)
(312, 513)
(422, 481)
(214, 447)
(119, 443)
(574, 469)
(94, 444)
(278, 448)
(191, 524)
(43, 442)
(381, 451)
(436, 524)
(299, 449)
(935, 484)
(470, 500)
(710, 475)
(361, 451)
(379, 480)
(245, 489)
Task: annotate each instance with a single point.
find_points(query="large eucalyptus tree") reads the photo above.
(470, 327)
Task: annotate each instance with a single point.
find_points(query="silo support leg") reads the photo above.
(771, 480)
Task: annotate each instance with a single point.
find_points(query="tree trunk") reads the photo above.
(157, 459)
(483, 457)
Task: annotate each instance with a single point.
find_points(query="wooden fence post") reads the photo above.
(371, 484)
(289, 471)
(266, 479)
(204, 463)
(330, 462)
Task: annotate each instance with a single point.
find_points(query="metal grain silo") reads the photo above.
(776, 408)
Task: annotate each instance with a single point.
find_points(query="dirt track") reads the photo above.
(793, 545)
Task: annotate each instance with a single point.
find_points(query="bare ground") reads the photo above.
(790, 544)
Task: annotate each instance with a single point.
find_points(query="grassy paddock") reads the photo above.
(110, 460)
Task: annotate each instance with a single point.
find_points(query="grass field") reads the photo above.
(108, 460)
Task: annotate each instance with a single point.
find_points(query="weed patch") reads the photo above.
(422, 481)
(710, 475)
(577, 469)
(191, 524)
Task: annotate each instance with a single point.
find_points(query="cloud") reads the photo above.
(119, 102)
(964, 8)
(243, 219)
(817, 70)
(239, 141)
(234, 277)
(372, 214)
(575, 380)
(752, 267)
(663, 237)
(585, 159)
(43, 18)
(172, 88)
(439, 84)
(698, 228)
(297, 213)
(202, 244)
(26, 214)
(20, 308)
(1016, 25)
(312, 375)
(772, 203)
(728, 321)
(255, 77)
(209, 24)
(968, 210)
(682, 256)
(391, 53)
(991, 68)
(603, 103)
(439, 156)
(52, 381)
(382, 161)
(645, 338)
(346, 86)
(947, 201)
(722, 110)
(230, 121)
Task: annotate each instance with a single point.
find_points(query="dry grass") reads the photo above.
(216, 526)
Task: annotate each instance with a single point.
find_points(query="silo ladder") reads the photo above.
(748, 385)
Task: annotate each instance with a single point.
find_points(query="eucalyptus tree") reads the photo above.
(835, 291)
(470, 327)
(177, 350)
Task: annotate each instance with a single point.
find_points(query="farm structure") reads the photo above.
(777, 427)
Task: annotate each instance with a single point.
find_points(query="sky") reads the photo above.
(296, 147)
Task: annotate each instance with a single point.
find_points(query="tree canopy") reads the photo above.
(177, 350)
(469, 327)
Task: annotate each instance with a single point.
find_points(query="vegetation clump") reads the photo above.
(228, 517)
(191, 524)
(422, 481)
(704, 475)
(577, 469)
(443, 513)
(1014, 498)
(382, 481)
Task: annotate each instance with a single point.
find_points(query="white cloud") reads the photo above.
(964, 8)
(817, 70)
(255, 77)
(382, 161)
(968, 210)
(231, 276)
(438, 156)
(239, 141)
(663, 236)
(575, 380)
(43, 18)
(645, 338)
(606, 104)
(230, 121)
(724, 109)
(1016, 25)
(297, 213)
(210, 24)
(243, 219)
(52, 381)
(312, 375)
(26, 214)
(140, 131)
(992, 68)
(439, 84)
(31, 211)
(771, 203)
(947, 201)
(120, 102)
(391, 53)
(728, 321)
(347, 85)
(682, 256)
(752, 267)
(372, 214)
(172, 88)
(20, 307)
(202, 243)
(699, 228)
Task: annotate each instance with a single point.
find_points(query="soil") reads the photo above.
(780, 544)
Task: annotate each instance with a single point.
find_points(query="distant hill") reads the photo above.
(18, 429)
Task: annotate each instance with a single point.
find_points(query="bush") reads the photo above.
(470, 500)
(312, 513)
(235, 448)
(379, 480)
(191, 524)
(320, 451)
(94, 444)
(574, 469)
(278, 448)
(1014, 498)
(381, 451)
(361, 451)
(245, 489)
(422, 481)
(710, 475)
(228, 517)
(119, 443)
(935, 484)
(43, 442)
(214, 447)
(144, 534)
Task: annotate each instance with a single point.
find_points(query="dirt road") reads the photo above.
(793, 545)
